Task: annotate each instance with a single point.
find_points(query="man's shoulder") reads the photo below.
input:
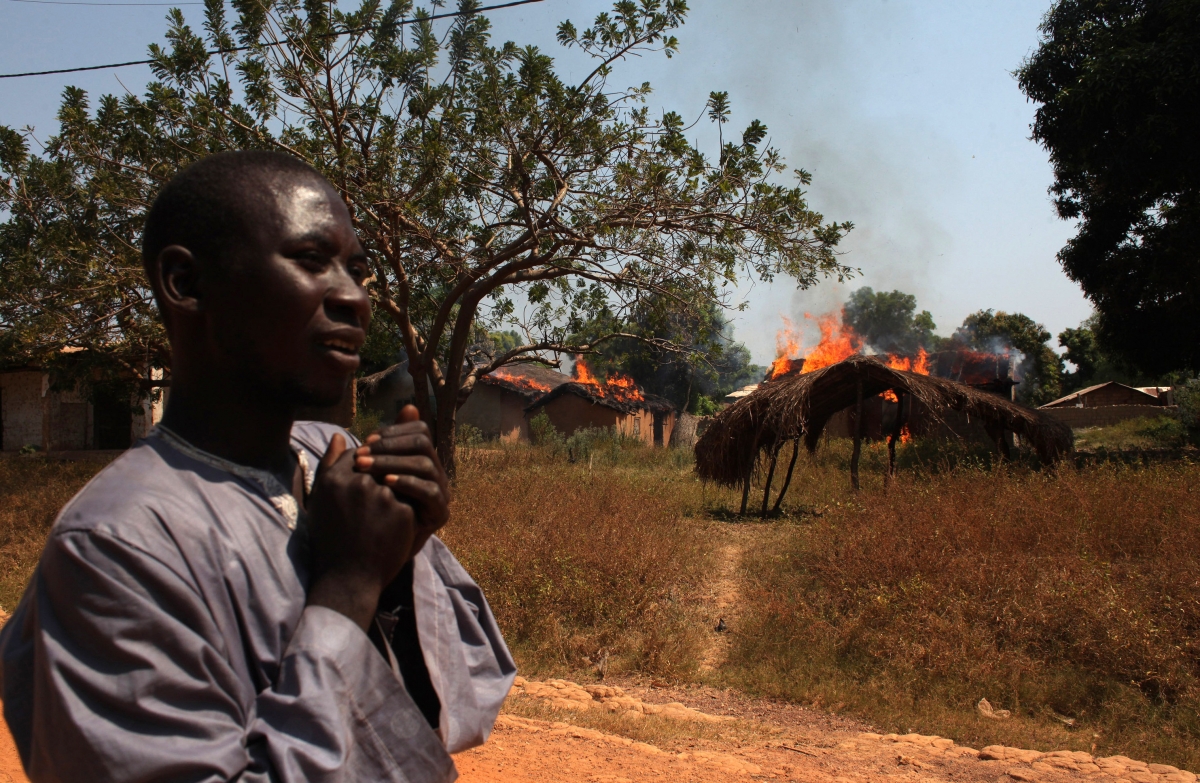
(130, 486)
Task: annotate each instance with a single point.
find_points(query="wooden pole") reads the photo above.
(858, 429)
(770, 478)
(745, 493)
(787, 480)
(895, 435)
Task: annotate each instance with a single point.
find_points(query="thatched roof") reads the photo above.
(801, 405)
(528, 380)
(591, 393)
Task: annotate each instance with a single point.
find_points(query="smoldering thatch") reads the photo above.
(801, 405)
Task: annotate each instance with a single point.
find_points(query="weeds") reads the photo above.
(1161, 432)
(1074, 593)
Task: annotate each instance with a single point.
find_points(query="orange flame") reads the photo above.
(837, 343)
(520, 381)
(919, 365)
(619, 387)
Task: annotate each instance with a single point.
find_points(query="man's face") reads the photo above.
(290, 316)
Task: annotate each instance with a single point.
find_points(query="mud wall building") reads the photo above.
(496, 406)
(35, 415)
(576, 406)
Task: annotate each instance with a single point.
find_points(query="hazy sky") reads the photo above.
(905, 112)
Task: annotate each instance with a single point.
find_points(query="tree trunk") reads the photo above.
(443, 433)
(858, 429)
(745, 494)
(787, 480)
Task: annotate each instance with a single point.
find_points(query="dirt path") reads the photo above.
(721, 600)
(775, 742)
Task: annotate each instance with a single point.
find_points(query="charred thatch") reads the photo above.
(799, 406)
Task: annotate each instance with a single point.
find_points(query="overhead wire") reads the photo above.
(79, 2)
(401, 23)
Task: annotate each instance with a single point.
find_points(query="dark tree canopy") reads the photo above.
(1119, 86)
(888, 321)
(1040, 371)
(695, 379)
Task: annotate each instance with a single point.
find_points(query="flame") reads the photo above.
(905, 434)
(919, 365)
(787, 351)
(619, 387)
(520, 381)
(838, 342)
(890, 396)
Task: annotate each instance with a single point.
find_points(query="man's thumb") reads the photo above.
(337, 447)
(408, 413)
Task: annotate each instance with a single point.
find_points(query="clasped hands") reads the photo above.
(371, 510)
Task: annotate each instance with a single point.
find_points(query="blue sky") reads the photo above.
(905, 112)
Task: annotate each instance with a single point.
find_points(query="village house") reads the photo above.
(1109, 403)
(33, 415)
(632, 413)
(496, 406)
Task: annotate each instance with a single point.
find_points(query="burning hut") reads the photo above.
(616, 402)
(497, 404)
(799, 406)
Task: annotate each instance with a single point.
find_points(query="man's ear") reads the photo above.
(178, 276)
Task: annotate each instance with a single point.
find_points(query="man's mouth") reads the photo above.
(341, 346)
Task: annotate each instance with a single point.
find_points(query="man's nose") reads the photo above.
(347, 301)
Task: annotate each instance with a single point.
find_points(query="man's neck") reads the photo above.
(233, 425)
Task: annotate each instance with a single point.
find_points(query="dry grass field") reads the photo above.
(1070, 596)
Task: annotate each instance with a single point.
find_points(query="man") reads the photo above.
(240, 597)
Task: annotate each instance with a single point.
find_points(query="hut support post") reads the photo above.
(745, 495)
(770, 478)
(787, 480)
(895, 434)
(858, 430)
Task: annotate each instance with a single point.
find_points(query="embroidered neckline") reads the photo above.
(280, 496)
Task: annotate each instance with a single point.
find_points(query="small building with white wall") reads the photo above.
(35, 416)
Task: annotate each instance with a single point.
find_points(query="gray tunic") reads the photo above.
(164, 636)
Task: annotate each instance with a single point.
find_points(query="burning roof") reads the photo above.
(988, 371)
(644, 401)
(799, 406)
(528, 380)
(617, 392)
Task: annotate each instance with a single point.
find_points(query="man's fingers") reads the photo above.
(422, 492)
(408, 414)
(403, 445)
(382, 465)
(337, 447)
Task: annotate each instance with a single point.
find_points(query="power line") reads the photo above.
(71, 2)
(244, 48)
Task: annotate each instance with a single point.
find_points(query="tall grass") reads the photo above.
(1070, 595)
(32, 490)
(587, 564)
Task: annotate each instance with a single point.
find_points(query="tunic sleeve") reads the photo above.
(113, 670)
(469, 665)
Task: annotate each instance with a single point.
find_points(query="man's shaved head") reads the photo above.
(212, 206)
